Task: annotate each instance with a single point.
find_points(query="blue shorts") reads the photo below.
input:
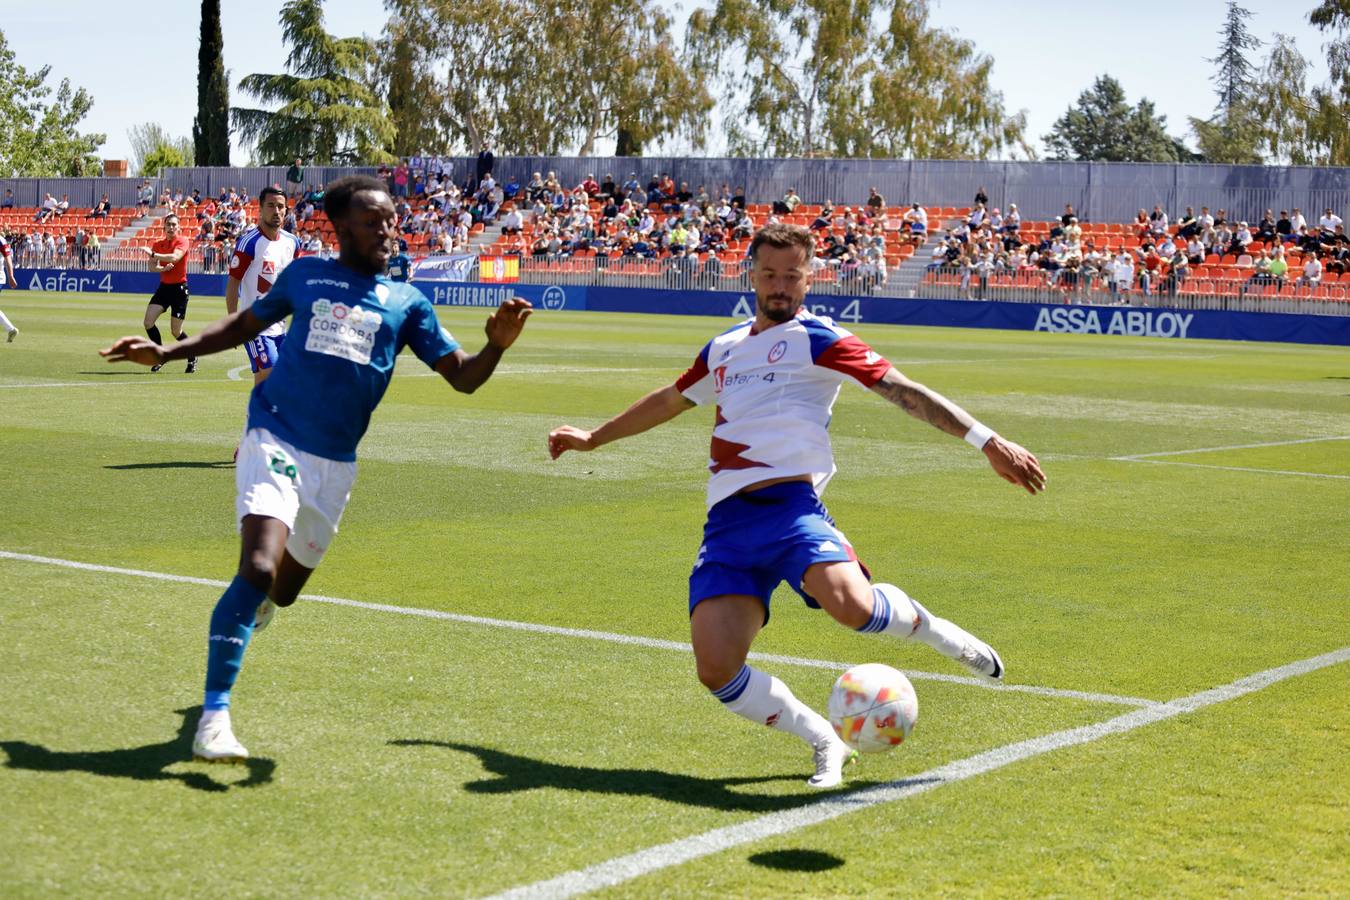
(753, 541)
(262, 350)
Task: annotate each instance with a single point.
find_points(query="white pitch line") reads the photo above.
(1168, 462)
(1137, 456)
(65, 384)
(585, 633)
(237, 373)
(634, 865)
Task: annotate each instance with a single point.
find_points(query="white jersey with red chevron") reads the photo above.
(257, 262)
(774, 392)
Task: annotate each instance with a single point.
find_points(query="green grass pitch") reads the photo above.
(399, 755)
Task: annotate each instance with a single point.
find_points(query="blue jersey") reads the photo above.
(400, 267)
(346, 329)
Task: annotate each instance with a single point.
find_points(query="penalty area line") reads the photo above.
(663, 856)
(585, 633)
(1135, 457)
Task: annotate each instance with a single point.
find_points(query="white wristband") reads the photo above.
(979, 435)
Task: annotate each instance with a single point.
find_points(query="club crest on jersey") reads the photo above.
(778, 351)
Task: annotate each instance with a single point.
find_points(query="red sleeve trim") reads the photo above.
(695, 373)
(855, 359)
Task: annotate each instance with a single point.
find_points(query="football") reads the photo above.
(873, 708)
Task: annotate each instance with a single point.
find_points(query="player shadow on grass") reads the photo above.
(178, 464)
(520, 773)
(146, 763)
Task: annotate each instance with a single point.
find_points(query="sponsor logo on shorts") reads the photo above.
(280, 464)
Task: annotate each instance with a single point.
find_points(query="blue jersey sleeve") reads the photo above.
(424, 334)
(277, 303)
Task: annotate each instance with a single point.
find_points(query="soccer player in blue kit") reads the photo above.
(774, 380)
(297, 462)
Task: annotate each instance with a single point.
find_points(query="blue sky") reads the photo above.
(1045, 53)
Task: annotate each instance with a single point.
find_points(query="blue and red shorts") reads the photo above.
(752, 541)
(262, 351)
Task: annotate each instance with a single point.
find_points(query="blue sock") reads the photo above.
(231, 627)
(881, 614)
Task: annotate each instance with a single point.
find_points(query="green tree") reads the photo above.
(404, 80)
(40, 136)
(211, 127)
(862, 78)
(1233, 134)
(1102, 126)
(326, 112)
(1281, 105)
(587, 70)
(1329, 103)
(153, 149)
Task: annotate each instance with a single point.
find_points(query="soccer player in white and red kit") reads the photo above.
(774, 380)
(7, 279)
(259, 256)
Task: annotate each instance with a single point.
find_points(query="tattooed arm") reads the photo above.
(1012, 462)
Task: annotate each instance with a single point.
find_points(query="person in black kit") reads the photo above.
(981, 198)
(484, 167)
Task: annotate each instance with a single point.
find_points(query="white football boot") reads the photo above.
(215, 742)
(266, 610)
(832, 755)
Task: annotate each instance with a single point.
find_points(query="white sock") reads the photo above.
(896, 613)
(765, 700)
(5, 324)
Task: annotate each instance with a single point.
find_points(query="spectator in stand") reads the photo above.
(1261, 269)
(1312, 271)
(608, 188)
(876, 203)
(1073, 232)
(513, 222)
(1241, 239)
(145, 196)
(1067, 214)
(826, 218)
(1151, 270)
(1187, 225)
(1297, 221)
(101, 209)
(295, 177)
(789, 202)
(483, 168)
(1157, 221)
(981, 197)
(47, 210)
(1279, 266)
(401, 178)
(93, 249)
(1284, 226)
(744, 228)
(915, 223)
(1265, 229)
(1140, 226)
(8, 202)
(1178, 270)
(1122, 276)
(1204, 221)
(1329, 221)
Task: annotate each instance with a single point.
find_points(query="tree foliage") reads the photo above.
(1234, 133)
(1102, 126)
(211, 127)
(1328, 105)
(543, 76)
(854, 78)
(154, 149)
(326, 111)
(40, 137)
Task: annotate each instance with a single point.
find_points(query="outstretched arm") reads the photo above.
(661, 405)
(1012, 462)
(467, 373)
(223, 334)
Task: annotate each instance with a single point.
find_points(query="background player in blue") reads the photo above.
(775, 379)
(400, 267)
(298, 459)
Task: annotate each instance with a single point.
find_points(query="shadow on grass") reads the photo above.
(521, 773)
(147, 763)
(178, 464)
(796, 860)
(119, 370)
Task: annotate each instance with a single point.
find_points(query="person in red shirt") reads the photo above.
(169, 256)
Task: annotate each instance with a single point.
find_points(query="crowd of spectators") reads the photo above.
(1160, 256)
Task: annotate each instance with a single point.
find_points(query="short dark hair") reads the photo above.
(781, 236)
(337, 197)
(173, 216)
(270, 191)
